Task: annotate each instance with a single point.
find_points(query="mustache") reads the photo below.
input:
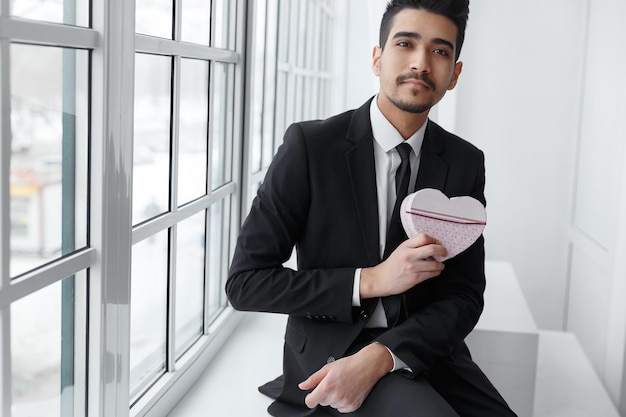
(413, 76)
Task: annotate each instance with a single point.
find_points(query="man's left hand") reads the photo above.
(345, 384)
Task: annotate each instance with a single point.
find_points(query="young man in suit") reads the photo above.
(376, 326)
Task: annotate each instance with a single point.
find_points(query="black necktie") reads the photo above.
(395, 233)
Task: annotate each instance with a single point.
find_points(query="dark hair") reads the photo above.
(455, 10)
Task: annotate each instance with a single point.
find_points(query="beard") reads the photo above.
(408, 105)
(411, 107)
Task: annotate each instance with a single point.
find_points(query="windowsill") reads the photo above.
(251, 357)
(566, 384)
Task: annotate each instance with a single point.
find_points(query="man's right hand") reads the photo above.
(411, 263)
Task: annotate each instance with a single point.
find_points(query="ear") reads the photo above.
(376, 53)
(458, 67)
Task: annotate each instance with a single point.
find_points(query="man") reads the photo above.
(375, 327)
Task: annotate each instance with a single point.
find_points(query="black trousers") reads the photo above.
(454, 387)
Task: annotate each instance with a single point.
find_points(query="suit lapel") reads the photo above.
(433, 169)
(360, 161)
(432, 173)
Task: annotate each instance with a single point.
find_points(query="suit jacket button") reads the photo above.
(330, 359)
(364, 314)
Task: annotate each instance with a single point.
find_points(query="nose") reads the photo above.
(420, 61)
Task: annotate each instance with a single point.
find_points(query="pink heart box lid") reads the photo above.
(456, 222)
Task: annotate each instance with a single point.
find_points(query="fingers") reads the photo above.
(310, 383)
(328, 393)
(422, 240)
(314, 398)
(324, 397)
(426, 247)
(317, 397)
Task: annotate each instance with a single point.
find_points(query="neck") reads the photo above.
(406, 123)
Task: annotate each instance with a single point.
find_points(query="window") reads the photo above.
(183, 180)
(293, 73)
(119, 176)
(44, 187)
(124, 126)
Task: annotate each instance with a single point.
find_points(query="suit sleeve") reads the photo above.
(455, 303)
(257, 280)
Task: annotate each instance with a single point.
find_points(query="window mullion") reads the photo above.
(5, 161)
(153, 45)
(238, 126)
(171, 293)
(45, 33)
(170, 360)
(207, 251)
(110, 221)
(5, 224)
(178, 7)
(5, 362)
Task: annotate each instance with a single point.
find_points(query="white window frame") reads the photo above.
(107, 258)
(327, 71)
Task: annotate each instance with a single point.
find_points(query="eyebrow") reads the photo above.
(417, 36)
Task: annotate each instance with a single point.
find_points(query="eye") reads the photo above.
(403, 44)
(441, 52)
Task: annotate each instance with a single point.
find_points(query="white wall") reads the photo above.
(597, 303)
(518, 100)
(543, 93)
(364, 21)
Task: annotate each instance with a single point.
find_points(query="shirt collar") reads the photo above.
(387, 136)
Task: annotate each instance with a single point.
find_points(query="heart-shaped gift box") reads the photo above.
(456, 222)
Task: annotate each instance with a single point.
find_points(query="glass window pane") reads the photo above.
(154, 17)
(48, 351)
(254, 188)
(257, 93)
(49, 162)
(196, 21)
(303, 31)
(314, 84)
(193, 135)
(70, 12)
(282, 81)
(219, 242)
(270, 86)
(327, 35)
(222, 120)
(151, 148)
(307, 105)
(148, 311)
(190, 265)
(322, 97)
(284, 19)
(223, 23)
(298, 97)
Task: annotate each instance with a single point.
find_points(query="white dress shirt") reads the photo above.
(387, 160)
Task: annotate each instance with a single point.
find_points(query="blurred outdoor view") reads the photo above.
(48, 210)
(49, 197)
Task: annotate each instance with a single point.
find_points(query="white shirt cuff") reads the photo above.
(398, 363)
(356, 294)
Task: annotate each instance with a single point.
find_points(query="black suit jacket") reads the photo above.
(319, 194)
